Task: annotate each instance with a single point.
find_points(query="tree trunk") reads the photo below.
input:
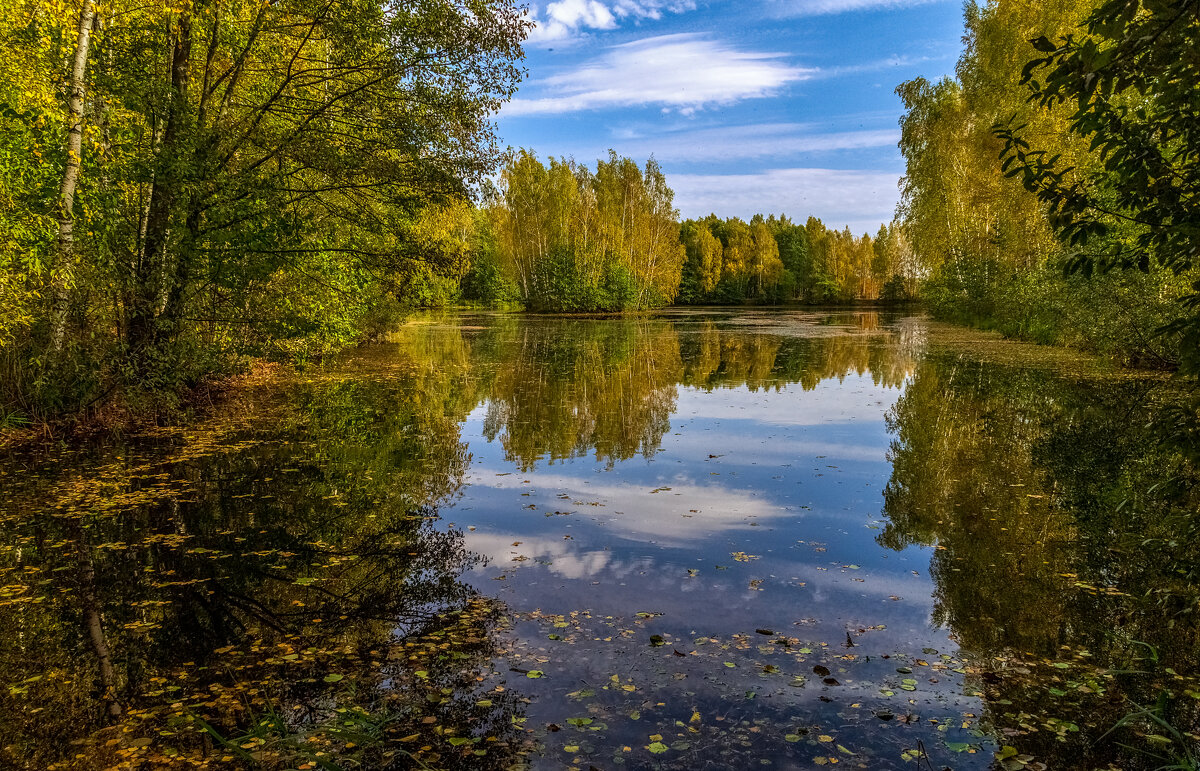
(64, 267)
(94, 625)
(142, 326)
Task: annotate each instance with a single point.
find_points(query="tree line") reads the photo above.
(570, 239)
(557, 236)
(189, 184)
(774, 260)
(1052, 184)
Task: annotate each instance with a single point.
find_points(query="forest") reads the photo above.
(1052, 185)
(186, 188)
(560, 237)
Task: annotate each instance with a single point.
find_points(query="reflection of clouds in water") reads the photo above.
(631, 511)
(792, 406)
(564, 559)
(747, 449)
(833, 583)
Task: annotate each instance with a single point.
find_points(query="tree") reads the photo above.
(1131, 79)
(574, 240)
(223, 179)
(766, 268)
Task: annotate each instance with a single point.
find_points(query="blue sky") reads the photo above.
(767, 106)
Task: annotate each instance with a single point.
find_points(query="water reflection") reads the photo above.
(267, 588)
(498, 542)
(564, 389)
(1066, 552)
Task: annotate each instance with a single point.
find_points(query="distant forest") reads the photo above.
(562, 237)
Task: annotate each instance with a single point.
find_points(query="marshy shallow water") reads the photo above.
(701, 540)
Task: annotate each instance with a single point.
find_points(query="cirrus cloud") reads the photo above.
(685, 72)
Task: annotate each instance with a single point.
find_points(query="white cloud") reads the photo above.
(651, 9)
(563, 559)
(664, 517)
(566, 17)
(683, 72)
(823, 7)
(860, 199)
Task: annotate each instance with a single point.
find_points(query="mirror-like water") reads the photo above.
(705, 540)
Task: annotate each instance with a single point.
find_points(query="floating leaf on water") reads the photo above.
(657, 748)
(333, 678)
(534, 674)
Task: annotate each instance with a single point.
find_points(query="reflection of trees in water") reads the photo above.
(288, 571)
(282, 562)
(561, 390)
(564, 389)
(1065, 533)
(715, 357)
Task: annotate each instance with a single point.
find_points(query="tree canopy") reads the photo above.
(210, 178)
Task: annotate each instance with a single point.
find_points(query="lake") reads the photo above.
(700, 540)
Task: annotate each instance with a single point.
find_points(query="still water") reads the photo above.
(699, 541)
